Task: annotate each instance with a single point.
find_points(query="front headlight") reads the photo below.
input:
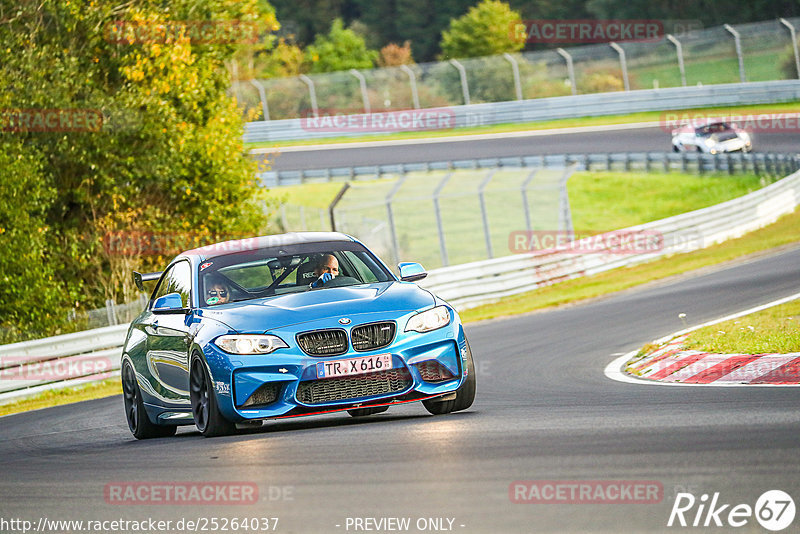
(250, 343)
(426, 321)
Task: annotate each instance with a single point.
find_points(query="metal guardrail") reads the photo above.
(759, 163)
(475, 283)
(34, 366)
(538, 109)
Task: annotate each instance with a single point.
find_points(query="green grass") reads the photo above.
(783, 232)
(775, 329)
(759, 66)
(97, 390)
(650, 116)
(604, 201)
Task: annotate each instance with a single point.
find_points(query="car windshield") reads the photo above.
(274, 271)
(718, 130)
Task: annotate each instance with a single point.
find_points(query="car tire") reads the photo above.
(363, 412)
(465, 394)
(138, 421)
(205, 409)
(675, 148)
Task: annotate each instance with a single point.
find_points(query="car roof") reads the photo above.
(255, 243)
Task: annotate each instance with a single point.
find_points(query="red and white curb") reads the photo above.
(672, 365)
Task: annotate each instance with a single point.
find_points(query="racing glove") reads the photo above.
(326, 277)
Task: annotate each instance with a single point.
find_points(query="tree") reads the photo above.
(163, 156)
(393, 55)
(485, 30)
(340, 49)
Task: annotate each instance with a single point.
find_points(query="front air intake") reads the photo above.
(323, 342)
(372, 336)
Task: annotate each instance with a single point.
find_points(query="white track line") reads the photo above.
(614, 369)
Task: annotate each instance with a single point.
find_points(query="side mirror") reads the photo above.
(138, 278)
(411, 272)
(170, 303)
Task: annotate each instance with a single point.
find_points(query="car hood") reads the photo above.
(261, 315)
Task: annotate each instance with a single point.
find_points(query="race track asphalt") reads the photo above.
(649, 139)
(544, 411)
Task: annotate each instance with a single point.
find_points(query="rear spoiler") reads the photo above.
(139, 278)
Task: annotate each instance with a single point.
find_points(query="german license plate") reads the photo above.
(354, 366)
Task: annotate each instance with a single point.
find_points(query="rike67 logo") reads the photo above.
(774, 510)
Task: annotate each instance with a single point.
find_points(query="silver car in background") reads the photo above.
(711, 136)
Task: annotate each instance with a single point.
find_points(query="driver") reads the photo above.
(326, 270)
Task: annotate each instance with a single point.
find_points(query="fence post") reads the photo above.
(484, 215)
(737, 42)
(623, 63)
(515, 71)
(564, 212)
(262, 94)
(110, 315)
(284, 221)
(312, 93)
(438, 213)
(526, 208)
(412, 80)
(303, 218)
(390, 215)
(679, 51)
(362, 83)
(463, 74)
(570, 69)
(793, 36)
(335, 201)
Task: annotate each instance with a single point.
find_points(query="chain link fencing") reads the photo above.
(690, 56)
(450, 217)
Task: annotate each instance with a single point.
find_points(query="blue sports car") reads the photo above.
(284, 326)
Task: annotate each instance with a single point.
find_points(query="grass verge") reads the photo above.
(648, 116)
(783, 232)
(106, 388)
(775, 329)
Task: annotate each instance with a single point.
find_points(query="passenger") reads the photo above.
(217, 292)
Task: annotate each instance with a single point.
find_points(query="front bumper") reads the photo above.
(285, 383)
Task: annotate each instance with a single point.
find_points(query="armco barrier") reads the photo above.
(475, 283)
(33, 366)
(462, 285)
(759, 163)
(561, 107)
